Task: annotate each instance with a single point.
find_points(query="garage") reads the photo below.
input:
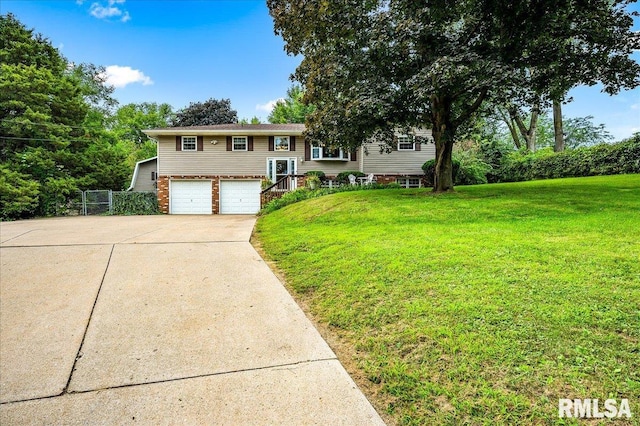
(239, 196)
(190, 196)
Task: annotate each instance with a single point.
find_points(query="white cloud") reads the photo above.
(108, 10)
(268, 107)
(122, 76)
(635, 106)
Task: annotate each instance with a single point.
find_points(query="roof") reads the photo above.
(230, 129)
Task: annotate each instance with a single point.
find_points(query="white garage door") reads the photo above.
(190, 196)
(239, 196)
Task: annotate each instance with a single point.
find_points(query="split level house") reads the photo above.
(223, 169)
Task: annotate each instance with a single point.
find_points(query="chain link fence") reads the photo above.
(101, 202)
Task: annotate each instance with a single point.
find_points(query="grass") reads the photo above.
(483, 306)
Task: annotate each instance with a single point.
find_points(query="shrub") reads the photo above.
(318, 173)
(18, 194)
(56, 196)
(343, 177)
(304, 194)
(493, 152)
(312, 181)
(472, 170)
(133, 203)
(603, 159)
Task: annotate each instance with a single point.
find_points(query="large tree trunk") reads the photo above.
(443, 135)
(557, 127)
(443, 181)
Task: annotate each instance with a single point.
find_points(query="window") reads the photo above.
(405, 143)
(409, 182)
(328, 153)
(239, 143)
(189, 143)
(281, 143)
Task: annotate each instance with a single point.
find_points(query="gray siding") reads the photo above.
(398, 162)
(143, 179)
(330, 168)
(216, 160)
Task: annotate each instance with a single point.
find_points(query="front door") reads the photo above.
(277, 168)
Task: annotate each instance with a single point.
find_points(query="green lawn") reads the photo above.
(479, 307)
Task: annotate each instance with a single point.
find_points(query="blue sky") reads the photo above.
(179, 51)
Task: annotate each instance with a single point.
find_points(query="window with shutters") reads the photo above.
(189, 143)
(405, 143)
(281, 143)
(239, 143)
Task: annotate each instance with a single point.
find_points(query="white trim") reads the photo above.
(137, 168)
(290, 161)
(246, 143)
(344, 156)
(407, 182)
(195, 145)
(408, 137)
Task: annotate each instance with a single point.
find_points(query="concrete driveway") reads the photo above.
(158, 320)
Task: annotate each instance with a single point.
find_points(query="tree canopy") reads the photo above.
(206, 113)
(292, 109)
(371, 67)
(51, 126)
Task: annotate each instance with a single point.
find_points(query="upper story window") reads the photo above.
(281, 143)
(328, 153)
(405, 143)
(189, 143)
(239, 143)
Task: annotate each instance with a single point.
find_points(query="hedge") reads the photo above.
(135, 203)
(603, 159)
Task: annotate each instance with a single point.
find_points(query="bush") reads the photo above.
(57, 195)
(472, 170)
(132, 203)
(603, 159)
(318, 173)
(429, 169)
(493, 152)
(343, 177)
(305, 194)
(18, 194)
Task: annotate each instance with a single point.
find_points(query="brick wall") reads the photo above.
(163, 194)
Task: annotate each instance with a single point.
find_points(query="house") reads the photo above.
(144, 175)
(221, 168)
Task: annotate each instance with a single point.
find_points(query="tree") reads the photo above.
(52, 116)
(292, 109)
(557, 127)
(374, 66)
(577, 132)
(512, 116)
(130, 120)
(254, 120)
(206, 113)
